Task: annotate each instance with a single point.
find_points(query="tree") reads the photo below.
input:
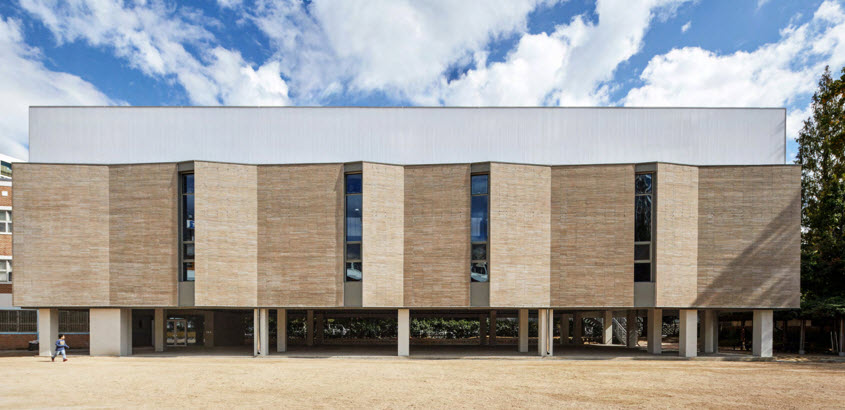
(821, 154)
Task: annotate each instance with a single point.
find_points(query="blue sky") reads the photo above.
(402, 52)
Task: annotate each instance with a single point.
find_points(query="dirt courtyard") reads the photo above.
(225, 382)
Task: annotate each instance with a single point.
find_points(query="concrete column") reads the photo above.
(403, 333)
(482, 330)
(655, 331)
(256, 329)
(281, 330)
(710, 328)
(264, 326)
(48, 331)
(159, 328)
(110, 332)
(309, 328)
(632, 329)
(545, 332)
(208, 339)
(578, 329)
(319, 329)
(523, 330)
(841, 336)
(688, 341)
(564, 329)
(801, 340)
(763, 332)
(492, 328)
(607, 325)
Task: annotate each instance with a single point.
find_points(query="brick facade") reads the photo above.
(676, 235)
(382, 242)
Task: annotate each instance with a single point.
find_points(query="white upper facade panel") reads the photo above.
(283, 135)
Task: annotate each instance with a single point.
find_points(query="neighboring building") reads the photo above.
(181, 221)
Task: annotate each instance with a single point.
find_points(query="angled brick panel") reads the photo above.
(300, 235)
(144, 237)
(437, 235)
(383, 243)
(676, 240)
(592, 258)
(226, 209)
(520, 235)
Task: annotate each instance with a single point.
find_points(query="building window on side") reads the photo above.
(18, 321)
(5, 271)
(5, 169)
(187, 230)
(354, 234)
(643, 224)
(479, 202)
(5, 221)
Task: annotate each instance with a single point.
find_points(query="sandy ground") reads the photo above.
(226, 382)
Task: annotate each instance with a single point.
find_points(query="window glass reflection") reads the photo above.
(353, 218)
(478, 272)
(642, 184)
(642, 272)
(354, 271)
(478, 218)
(479, 251)
(188, 218)
(354, 183)
(479, 184)
(353, 251)
(642, 224)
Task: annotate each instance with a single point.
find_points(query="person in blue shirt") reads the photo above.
(61, 346)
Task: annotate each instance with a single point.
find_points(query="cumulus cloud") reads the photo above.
(25, 81)
(154, 38)
(686, 27)
(782, 73)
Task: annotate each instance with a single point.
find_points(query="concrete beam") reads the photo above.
(710, 328)
(688, 340)
(607, 327)
(48, 331)
(403, 333)
(110, 332)
(523, 330)
(159, 329)
(655, 331)
(763, 331)
(281, 330)
(632, 329)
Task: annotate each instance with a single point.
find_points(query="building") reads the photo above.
(173, 224)
(17, 326)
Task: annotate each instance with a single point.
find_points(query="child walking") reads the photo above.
(61, 346)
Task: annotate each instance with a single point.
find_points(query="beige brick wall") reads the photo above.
(749, 236)
(61, 235)
(592, 257)
(144, 237)
(437, 237)
(300, 235)
(383, 243)
(520, 235)
(226, 234)
(676, 242)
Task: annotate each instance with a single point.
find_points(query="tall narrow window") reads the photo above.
(5, 221)
(5, 271)
(354, 190)
(187, 231)
(643, 223)
(478, 228)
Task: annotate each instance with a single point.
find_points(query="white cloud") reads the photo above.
(686, 26)
(782, 73)
(154, 38)
(571, 66)
(25, 81)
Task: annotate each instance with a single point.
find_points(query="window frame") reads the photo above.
(652, 223)
(473, 242)
(6, 271)
(6, 222)
(347, 242)
(183, 274)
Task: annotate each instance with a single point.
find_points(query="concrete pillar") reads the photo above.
(263, 332)
(256, 330)
(564, 329)
(801, 340)
(545, 332)
(710, 328)
(482, 330)
(319, 328)
(110, 332)
(841, 336)
(523, 330)
(403, 333)
(607, 327)
(492, 328)
(281, 330)
(655, 331)
(578, 329)
(632, 329)
(208, 339)
(688, 340)
(309, 328)
(763, 331)
(48, 331)
(159, 328)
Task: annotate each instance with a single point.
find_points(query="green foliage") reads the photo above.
(821, 154)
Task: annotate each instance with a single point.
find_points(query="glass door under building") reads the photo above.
(177, 332)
